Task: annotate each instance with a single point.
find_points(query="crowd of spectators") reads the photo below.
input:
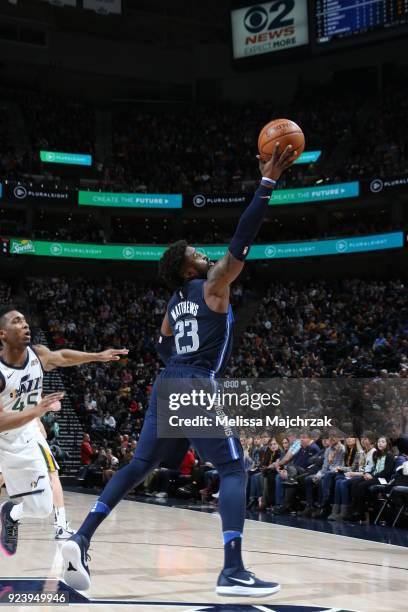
(49, 124)
(5, 292)
(319, 329)
(311, 474)
(277, 227)
(327, 329)
(92, 316)
(383, 131)
(201, 149)
(324, 476)
(337, 330)
(67, 227)
(210, 149)
(9, 160)
(54, 125)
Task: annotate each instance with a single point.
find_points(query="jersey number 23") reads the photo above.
(186, 338)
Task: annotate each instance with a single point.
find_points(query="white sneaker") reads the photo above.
(161, 494)
(216, 495)
(64, 534)
(75, 563)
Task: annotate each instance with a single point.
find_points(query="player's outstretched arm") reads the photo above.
(12, 420)
(228, 268)
(66, 358)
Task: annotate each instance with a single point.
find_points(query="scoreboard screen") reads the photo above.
(340, 19)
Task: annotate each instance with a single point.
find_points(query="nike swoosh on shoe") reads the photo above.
(250, 581)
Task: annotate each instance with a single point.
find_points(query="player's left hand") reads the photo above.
(55, 406)
(111, 354)
(279, 162)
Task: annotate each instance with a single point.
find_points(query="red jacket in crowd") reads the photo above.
(188, 463)
(86, 452)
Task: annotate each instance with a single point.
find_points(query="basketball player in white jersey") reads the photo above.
(61, 526)
(21, 377)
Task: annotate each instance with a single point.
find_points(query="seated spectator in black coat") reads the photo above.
(268, 470)
(384, 462)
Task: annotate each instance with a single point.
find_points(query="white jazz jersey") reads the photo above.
(22, 461)
(22, 390)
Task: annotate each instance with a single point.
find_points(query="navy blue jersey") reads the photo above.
(202, 337)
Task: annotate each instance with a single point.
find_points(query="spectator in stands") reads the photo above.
(307, 485)
(269, 473)
(97, 422)
(402, 446)
(212, 482)
(381, 343)
(286, 444)
(342, 496)
(87, 451)
(352, 461)
(255, 450)
(109, 422)
(181, 476)
(95, 470)
(110, 467)
(294, 447)
(383, 467)
(125, 455)
(269, 453)
(324, 478)
(293, 468)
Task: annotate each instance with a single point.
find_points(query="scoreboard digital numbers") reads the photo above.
(340, 19)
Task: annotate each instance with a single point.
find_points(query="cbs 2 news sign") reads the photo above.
(268, 27)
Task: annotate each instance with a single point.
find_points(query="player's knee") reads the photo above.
(39, 506)
(140, 467)
(44, 507)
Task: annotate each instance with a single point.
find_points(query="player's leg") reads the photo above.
(227, 456)
(26, 477)
(149, 453)
(61, 526)
(144, 460)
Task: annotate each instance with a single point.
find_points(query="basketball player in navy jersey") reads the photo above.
(195, 342)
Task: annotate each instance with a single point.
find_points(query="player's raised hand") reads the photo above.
(111, 354)
(278, 163)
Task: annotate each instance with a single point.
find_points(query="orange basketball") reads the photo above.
(284, 131)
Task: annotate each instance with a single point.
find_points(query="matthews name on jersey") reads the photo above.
(202, 337)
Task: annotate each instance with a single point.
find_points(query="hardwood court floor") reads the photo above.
(159, 553)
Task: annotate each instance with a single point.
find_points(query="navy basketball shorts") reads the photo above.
(171, 451)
